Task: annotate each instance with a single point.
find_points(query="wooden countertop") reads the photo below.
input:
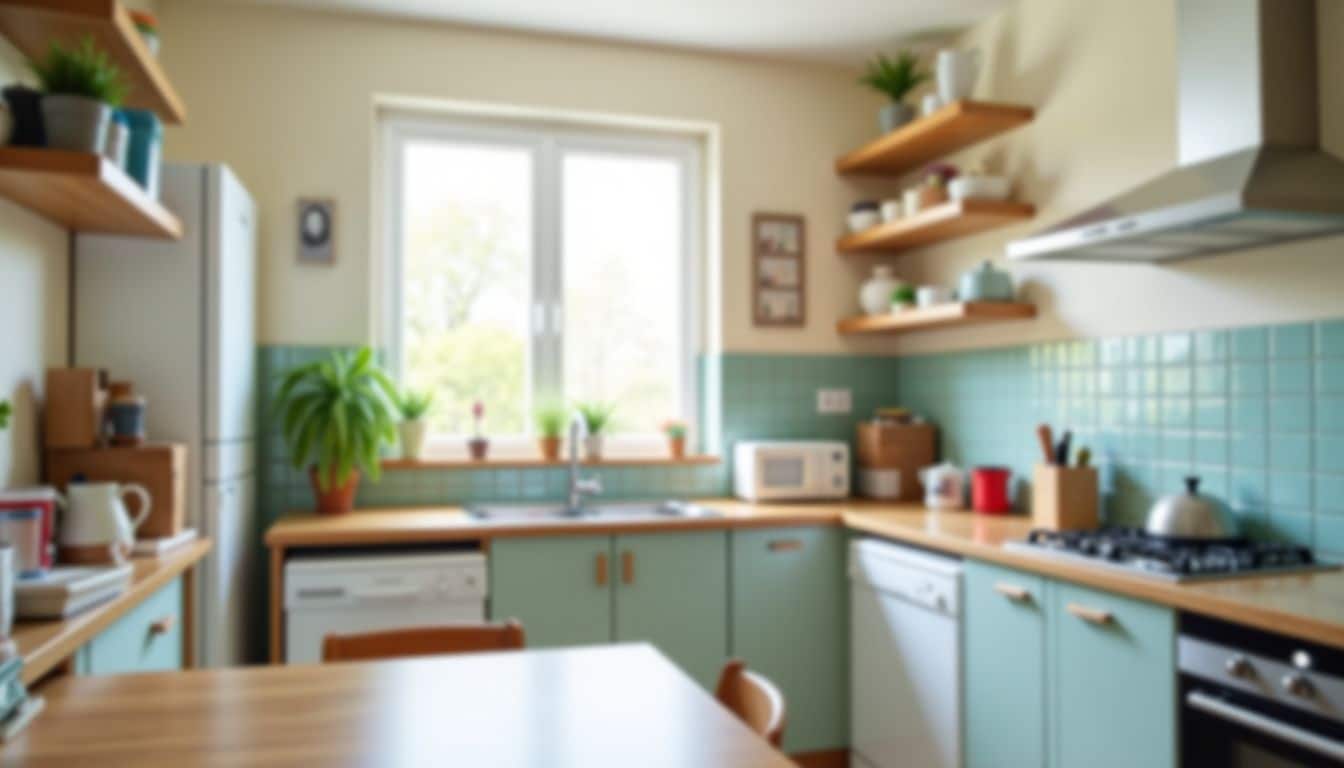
(45, 644)
(617, 706)
(1309, 606)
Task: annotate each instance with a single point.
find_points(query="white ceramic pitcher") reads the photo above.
(96, 515)
(957, 72)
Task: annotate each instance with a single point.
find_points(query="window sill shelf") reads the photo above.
(538, 462)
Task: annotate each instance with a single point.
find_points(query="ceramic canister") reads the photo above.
(126, 420)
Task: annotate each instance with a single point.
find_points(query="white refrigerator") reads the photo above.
(179, 319)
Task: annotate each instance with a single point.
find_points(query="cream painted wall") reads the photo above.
(33, 279)
(286, 98)
(1102, 77)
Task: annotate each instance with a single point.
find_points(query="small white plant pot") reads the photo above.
(592, 447)
(75, 123)
(413, 435)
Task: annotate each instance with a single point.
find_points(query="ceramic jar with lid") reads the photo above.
(986, 283)
(875, 294)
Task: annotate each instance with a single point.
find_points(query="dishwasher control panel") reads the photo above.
(364, 580)
(927, 580)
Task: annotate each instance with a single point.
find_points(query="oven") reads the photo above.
(1252, 699)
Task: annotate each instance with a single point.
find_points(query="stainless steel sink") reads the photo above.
(617, 511)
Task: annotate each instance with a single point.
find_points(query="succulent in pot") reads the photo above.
(596, 418)
(414, 427)
(336, 415)
(676, 438)
(896, 78)
(82, 86)
(902, 297)
(479, 444)
(550, 418)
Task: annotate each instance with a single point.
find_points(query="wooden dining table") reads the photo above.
(614, 706)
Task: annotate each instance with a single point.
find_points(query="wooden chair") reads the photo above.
(424, 641)
(754, 699)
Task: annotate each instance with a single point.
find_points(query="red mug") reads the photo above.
(989, 490)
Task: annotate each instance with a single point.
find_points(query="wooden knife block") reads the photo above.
(1065, 498)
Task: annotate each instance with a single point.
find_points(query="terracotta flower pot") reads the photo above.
(337, 499)
(550, 448)
(677, 447)
(479, 448)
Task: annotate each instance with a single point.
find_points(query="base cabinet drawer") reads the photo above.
(146, 639)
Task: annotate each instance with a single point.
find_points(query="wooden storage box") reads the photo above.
(1065, 498)
(160, 467)
(75, 399)
(907, 447)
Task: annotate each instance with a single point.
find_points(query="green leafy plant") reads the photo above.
(596, 415)
(81, 71)
(336, 414)
(895, 77)
(675, 430)
(413, 405)
(904, 294)
(5, 411)
(550, 419)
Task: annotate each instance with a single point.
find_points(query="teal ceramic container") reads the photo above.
(985, 283)
(145, 158)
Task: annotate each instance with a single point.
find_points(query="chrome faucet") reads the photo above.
(579, 487)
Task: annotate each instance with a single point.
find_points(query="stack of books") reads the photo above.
(68, 589)
(158, 547)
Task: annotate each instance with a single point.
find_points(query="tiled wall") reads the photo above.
(1258, 413)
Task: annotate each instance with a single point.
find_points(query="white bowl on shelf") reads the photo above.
(865, 219)
(979, 188)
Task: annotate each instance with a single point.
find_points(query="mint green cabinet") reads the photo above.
(790, 622)
(672, 591)
(1115, 691)
(148, 638)
(1061, 675)
(559, 587)
(1004, 628)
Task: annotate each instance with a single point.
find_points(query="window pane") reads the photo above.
(467, 242)
(623, 273)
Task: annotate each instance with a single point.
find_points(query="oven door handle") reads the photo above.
(1267, 726)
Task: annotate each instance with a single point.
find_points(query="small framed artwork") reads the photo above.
(317, 231)
(779, 274)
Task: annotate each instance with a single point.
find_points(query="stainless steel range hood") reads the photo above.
(1252, 170)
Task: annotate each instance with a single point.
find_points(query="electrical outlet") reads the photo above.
(834, 401)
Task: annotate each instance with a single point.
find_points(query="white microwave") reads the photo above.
(770, 470)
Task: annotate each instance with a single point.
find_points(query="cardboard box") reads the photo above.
(73, 415)
(160, 467)
(907, 447)
(1065, 498)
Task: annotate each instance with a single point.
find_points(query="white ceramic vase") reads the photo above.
(875, 294)
(413, 434)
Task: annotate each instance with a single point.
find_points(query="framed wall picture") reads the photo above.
(317, 231)
(779, 273)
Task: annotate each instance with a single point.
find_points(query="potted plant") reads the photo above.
(550, 426)
(336, 415)
(413, 426)
(903, 297)
(676, 438)
(5, 411)
(896, 78)
(82, 87)
(596, 417)
(148, 27)
(479, 445)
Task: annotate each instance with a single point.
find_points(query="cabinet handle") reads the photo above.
(1090, 615)
(627, 567)
(602, 569)
(163, 626)
(1013, 592)
(785, 545)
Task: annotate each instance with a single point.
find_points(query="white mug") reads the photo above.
(930, 104)
(957, 72)
(96, 515)
(932, 295)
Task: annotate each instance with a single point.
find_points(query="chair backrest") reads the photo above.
(424, 641)
(754, 699)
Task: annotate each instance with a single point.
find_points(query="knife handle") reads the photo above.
(1047, 440)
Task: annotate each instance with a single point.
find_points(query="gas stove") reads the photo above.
(1134, 551)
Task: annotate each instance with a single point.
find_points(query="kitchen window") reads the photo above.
(532, 264)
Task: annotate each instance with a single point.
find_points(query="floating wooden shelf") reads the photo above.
(538, 462)
(934, 225)
(32, 26)
(84, 192)
(956, 126)
(941, 316)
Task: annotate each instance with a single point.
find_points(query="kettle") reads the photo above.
(1190, 515)
(943, 486)
(97, 522)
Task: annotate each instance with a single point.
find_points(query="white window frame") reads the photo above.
(548, 142)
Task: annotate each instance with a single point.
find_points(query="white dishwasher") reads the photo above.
(367, 593)
(905, 657)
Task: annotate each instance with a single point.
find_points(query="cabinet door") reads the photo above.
(146, 639)
(1004, 627)
(558, 587)
(790, 622)
(1114, 681)
(672, 591)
